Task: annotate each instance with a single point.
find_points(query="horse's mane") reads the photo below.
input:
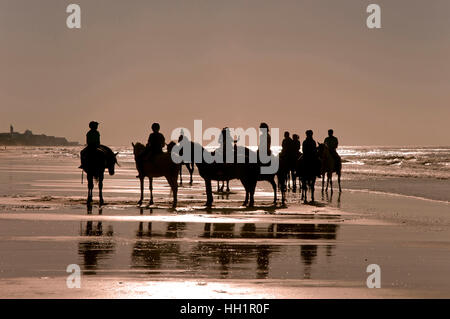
(110, 156)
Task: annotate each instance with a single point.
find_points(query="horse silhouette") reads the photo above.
(94, 165)
(246, 172)
(329, 165)
(156, 166)
(306, 170)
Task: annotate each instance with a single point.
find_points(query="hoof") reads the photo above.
(151, 202)
(139, 203)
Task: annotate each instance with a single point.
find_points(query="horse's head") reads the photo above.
(138, 149)
(170, 146)
(112, 162)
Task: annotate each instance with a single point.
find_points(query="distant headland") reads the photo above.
(29, 139)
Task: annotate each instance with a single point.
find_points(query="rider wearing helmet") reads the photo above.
(310, 151)
(332, 143)
(264, 139)
(92, 142)
(156, 140)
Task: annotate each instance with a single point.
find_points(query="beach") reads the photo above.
(393, 212)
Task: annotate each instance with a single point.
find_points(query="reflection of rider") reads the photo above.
(92, 142)
(310, 151)
(332, 143)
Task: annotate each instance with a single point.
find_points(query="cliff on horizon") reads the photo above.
(29, 139)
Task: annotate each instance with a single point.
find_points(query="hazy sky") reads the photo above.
(294, 64)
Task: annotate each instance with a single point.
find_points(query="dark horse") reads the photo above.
(246, 172)
(95, 164)
(157, 166)
(307, 170)
(329, 165)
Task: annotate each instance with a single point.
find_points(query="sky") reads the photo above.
(296, 65)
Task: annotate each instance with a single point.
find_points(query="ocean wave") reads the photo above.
(384, 161)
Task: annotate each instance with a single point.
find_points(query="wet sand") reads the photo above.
(318, 250)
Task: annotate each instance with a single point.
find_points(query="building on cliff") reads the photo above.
(28, 138)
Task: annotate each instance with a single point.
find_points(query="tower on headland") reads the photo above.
(11, 129)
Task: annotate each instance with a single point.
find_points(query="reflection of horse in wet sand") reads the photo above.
(94, 165)
(158, 165)
(329, 164)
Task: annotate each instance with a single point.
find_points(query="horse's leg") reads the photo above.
(331, 181)
(151, 190)
(228, 185)
(175, 194)
(323, 182)
(191, 172)
(313, 182)
(304, 190)
(339, 181)
(100, 188)
(173, 184)
(209, 197)
(90, 179)
(252, 188)
(294, 181)
(247, 193)
(274, 187)
(141, 180)
(288, 184)
(181, 174)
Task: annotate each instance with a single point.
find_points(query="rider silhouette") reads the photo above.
(310, 151)
(156, 141)
(226, 143)
(332, 143)
(155, 144)
(92, 142)
(286, 145)
(264, 139)
(295, 145)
